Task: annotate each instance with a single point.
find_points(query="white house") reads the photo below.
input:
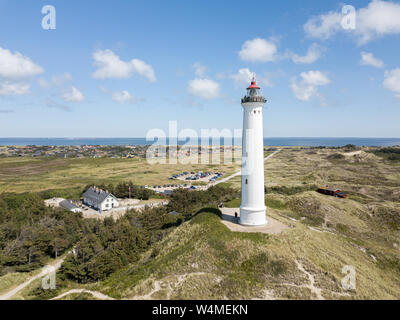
(68, 205)
(99, 199)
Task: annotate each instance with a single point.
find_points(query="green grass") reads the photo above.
(269, 202)
(66, 176)
(11, 280)
(203, 259)
(275, 203)
(291, 190)
(229, 252)
(235, 203)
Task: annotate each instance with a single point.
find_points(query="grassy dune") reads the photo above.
(203, 259)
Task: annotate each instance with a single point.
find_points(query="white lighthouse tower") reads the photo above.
(252, 208)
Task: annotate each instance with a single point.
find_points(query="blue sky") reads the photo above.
(121, 68)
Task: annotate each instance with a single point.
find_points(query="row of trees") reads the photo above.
(126, 190)
(110, 245)
(30, 232)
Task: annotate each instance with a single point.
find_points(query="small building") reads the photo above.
(99, 199)
(68, 205)
(333, 193)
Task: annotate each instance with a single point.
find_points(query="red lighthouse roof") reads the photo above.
(253, 84)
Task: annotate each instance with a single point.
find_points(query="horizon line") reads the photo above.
(287, 137)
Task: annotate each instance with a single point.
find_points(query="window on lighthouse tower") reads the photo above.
(253, 92)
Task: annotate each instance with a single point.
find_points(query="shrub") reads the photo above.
(284, 190)
(308, 208)
(335, 156)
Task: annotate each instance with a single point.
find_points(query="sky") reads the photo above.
(122, 68)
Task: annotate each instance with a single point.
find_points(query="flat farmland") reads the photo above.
(39, 174)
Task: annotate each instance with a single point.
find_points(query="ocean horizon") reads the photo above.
(274, 141)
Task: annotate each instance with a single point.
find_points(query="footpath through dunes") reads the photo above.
(46, 270)
(95, 294)
(203, 259)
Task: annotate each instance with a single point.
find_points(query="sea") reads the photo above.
(279, 142)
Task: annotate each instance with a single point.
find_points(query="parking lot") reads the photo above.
(200, 176)
(185, 179)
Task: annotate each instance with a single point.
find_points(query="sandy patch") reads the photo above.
(228, 218)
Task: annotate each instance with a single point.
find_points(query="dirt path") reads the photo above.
(311, 285)
(45, 271)
(95, 294)
(160, 284)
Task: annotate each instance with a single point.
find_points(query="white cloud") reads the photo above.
(314, 52)
(14, 88)
(378, 19)
(204, 88)
(392, 81)
(109, 65)
(306, 89)
(73, 95)
(258, 50)
(17, 66)
(122, 96)
(200, 70)
(368, 59)
(43, 83)
(302, 91)
(104, 90)
(323, 26)
(315, 78)
(59, 80)
(143, 69)
(244, 76)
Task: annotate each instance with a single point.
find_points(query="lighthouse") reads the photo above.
(252, 207)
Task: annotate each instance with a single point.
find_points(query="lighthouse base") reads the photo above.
(253, 217)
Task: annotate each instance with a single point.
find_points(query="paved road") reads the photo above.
(239, 172)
